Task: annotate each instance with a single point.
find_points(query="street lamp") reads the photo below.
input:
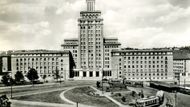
(102, 81)
(117, 71)
(10, 80)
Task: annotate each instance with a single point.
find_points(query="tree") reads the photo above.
(7, 80)
(32, 75)
(98, 84)
(44, 77)
(57, 76)
(19, 76)
(142, 94)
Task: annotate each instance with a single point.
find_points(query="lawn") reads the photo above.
(42, 87)
(129, 98)
(82, 95)
(50, 97)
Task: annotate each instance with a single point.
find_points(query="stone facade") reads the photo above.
(143, 65)
(93, 50)
(45, 62)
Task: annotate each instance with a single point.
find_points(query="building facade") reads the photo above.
(143, 65)
(109, 45)
(44, 61)
(90, 26)
(72, 46)
(93, 50)
(181, 67)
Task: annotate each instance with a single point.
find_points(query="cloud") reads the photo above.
(176, 15)
(34, 24)
(180, 3)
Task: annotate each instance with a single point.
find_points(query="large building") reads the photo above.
(91, 51)
(143, 65)
(181, 66)
(93, 56)
(44, 61)
(72, 46)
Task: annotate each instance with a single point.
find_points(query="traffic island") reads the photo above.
(88, 96)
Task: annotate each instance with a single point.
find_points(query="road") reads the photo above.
(38, 89)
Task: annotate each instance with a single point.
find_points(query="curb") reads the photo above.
(62, 96)
(40, 103)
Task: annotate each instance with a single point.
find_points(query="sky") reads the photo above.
(44, 24)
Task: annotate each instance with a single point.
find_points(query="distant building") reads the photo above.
(143, 65)
(5, 64)
(44, 61)
(181, 66)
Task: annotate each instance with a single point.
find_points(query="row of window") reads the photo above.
(36, 54)
(146, 53)
(70, 47)
(147, 78)
(145, 57)
(90, 31)
(36, 59)
(145, 62)
(147, 74)
(49, 68)
(44, 63)
(84, 74)
(107, 66)
(145, 70)
(111, 46)
(145, 66)
(89, 22)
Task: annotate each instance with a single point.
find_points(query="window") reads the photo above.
(84, 74)
(76, 74)
(97, 73)
(91, 74)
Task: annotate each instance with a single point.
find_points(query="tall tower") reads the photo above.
(90, 51)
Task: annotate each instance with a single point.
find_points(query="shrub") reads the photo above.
(119, 94)
(133, 93)
(98, 84)
(123, 99)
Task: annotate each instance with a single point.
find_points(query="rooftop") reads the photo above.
(181, 55)
(37, 51)
(143, 50)
(71, 39)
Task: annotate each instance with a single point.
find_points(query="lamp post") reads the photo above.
(11, 81)
(175, 99)
(117, 71)
(102, 81)
(11, 89)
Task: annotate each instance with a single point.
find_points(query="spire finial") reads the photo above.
(90, 5)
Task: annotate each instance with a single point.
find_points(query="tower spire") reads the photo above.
(90, 5)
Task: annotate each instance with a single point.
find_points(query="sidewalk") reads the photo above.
(45, 84)
(34, 104)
